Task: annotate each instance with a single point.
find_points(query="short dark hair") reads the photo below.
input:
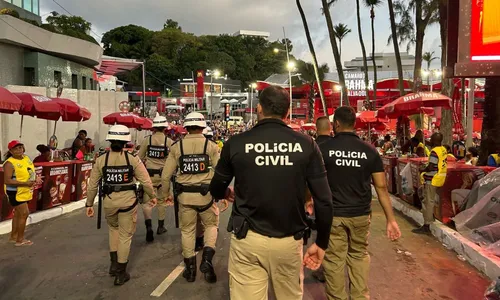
(82, 131)
(387, 137)
(274, 101)
(323, 123)
(346, 116)
(448, 148)
(473, 151)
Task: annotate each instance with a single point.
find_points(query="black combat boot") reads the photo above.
(422, 230)
(206, 266)
(161, 227)
(121, 274)
(149, 231)
(114, 263)
(199, 244)
(190, 270)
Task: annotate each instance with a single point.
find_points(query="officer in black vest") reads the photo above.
(118, 171)
(154, 152)
(193, 156)
(272, 165)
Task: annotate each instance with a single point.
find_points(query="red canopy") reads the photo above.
(382, 112)
(9, 103)
(413, 101)
(127, 119)
(85, 113)
(148, 124)
(39, 106)
(180, 129)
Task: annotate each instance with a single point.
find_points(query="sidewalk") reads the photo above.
(5, 226)
(485, 262)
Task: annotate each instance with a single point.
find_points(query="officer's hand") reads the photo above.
(393, 232)
(314, 257)
(223, 205)
(170, 200)
(153, 202)
(229, 196)
(90, 212)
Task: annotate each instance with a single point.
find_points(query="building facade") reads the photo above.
(253, 33)
(27, 9)
(33, 56)
(384, 62)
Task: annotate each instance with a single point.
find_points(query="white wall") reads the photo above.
(36, 131)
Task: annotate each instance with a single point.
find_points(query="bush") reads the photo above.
(10, 12)
(32, 22)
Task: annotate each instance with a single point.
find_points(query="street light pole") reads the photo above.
(289, 72)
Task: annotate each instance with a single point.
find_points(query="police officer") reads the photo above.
(154, 151)
(351, 165)
(119, 170)
(193, 156)
(272, 165)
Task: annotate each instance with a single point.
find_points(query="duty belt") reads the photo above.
(202, 189)
(153, 172)
(128, 208)
(113, 188)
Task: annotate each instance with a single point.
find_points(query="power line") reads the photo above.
(62, 7)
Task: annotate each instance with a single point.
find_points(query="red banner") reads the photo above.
(200, 91)
(485, 30)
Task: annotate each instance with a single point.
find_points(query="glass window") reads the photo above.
(36, 7)
(27, 5)
(18, 3)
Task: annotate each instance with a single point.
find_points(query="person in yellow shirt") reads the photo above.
(434, 177)
(19, 178)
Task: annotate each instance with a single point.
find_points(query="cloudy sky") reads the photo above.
(228, 16)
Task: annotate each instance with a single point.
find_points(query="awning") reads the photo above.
(115, 65)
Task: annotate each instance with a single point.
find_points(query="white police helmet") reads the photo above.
(195, 119)
(119, 133)
(208, 132)
(160, 121)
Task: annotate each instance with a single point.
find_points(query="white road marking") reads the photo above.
(167, 282)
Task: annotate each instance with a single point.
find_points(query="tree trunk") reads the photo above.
(446, 127)
(374, 104)
(340, 48)
(336, 53)
(313, 54)
(396, 48)
(311, 103)
(490, 136)
(363, 50)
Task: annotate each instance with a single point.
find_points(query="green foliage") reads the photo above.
(73, 26)
(32, 22)
(171, 54)
(308, 77)
(9, 11)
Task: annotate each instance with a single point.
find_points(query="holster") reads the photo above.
(239, 226)
(139, 193)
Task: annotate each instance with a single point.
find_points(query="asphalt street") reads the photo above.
(70, 260)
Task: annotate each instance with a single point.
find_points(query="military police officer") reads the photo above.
(119, 170)
(154, 151)
(272, 165)
(193, 156)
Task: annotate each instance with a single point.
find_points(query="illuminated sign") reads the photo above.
(355, 83)
(485, 30)
(227, 111)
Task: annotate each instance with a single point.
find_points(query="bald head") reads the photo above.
(323, 126)
(436, 139)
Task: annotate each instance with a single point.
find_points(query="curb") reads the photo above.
(5, 226)
(485, 262)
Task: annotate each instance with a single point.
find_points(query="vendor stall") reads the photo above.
(57, 183)
(390, 163)
(81, 179)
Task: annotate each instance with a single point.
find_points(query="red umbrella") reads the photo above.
(413, 101)
(148, 124)
(382, 112)
(180, 129)
(71, 111)
(85, 113)
(9, 103)
(39, 106)
(127, 119)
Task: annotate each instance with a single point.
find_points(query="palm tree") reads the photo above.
(308, 76)
(313, 54)
(341, 30)
(363, 50)
(404, 33)
(429, 57)
(372, 4)
(336, 54)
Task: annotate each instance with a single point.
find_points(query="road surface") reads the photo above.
(70, 260)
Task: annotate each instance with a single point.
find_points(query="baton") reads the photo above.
(99, 205)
